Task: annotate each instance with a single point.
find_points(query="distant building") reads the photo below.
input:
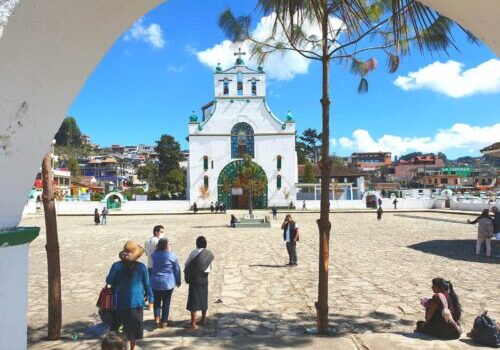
(85, 139)
(370, 161)
(117, 149)
(492, 150)
(62, 180)
(402, 171)
(107, 170)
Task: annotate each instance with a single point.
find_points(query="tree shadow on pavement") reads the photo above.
(374, 322)
(455, 249)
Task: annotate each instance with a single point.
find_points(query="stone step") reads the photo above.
(367, 341)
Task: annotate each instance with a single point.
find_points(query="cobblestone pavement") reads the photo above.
(379, 270)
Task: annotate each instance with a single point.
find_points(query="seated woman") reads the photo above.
(442, 312)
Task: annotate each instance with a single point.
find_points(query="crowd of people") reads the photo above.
(136, 287)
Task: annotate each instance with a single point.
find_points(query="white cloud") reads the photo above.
(152, 34)
(458, 137)
(279, 66)
(450, 79)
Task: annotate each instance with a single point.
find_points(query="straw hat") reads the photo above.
(131, 251)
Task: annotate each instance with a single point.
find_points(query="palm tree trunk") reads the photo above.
(52, 247)
(324, 223)
(250, 202)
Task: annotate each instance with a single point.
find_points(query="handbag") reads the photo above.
(106, 299)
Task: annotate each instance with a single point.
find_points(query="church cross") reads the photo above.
(239, 53)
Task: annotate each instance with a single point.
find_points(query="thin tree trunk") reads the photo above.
(52, 247)
(324, 222)
(250, 202)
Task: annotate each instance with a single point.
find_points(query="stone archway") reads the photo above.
(234, 197)
(114, 200)
(47, 52)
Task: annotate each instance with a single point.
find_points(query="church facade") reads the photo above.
(237, 122)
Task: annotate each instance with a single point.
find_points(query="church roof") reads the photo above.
(240, 69)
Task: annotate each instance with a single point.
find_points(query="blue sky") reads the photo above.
(160, 70)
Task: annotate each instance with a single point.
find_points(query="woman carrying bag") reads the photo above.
(129, 279)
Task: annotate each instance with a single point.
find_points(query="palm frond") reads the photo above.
(235, 28)
(363, 86)
(392, 62)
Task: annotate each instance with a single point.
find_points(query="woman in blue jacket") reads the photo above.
(129, 279)
(165, 277)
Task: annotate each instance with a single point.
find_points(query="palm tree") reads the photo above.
(52, 247)
(341, 31)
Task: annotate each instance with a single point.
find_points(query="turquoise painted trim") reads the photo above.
(18, 236)
(268, 109)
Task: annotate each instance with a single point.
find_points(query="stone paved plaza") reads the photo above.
(379, 270)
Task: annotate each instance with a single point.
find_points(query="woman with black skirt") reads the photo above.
(198, 265)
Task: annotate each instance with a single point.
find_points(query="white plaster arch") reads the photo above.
(116, 194)
(47, 51)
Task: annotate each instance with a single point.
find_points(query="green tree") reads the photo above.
(176, 179)
(309, 173)
(251, 179)
(69, 133)
(149, 173)
(343, 31)
(169, 156)
(311, 143)
(74, 167)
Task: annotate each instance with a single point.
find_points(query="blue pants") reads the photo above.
(162, 301)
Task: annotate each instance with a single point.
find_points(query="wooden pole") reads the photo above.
(52, 248)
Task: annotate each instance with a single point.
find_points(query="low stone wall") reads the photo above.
(408, 203)
(472, 206)
(130, 207)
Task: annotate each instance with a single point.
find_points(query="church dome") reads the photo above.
(239, 61)
(193, 118)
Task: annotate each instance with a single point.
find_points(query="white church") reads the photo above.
(239, 121)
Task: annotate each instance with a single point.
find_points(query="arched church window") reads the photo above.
(242, 140)
(278, 182)
(226, 87)
(254, 87)
(278, 162)
(205, 163)
(239, 84)
(205, 181)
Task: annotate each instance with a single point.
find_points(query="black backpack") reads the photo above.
(485, 331)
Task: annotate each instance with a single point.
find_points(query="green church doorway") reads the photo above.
(230, 192)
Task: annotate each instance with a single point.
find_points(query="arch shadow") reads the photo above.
(455, 249)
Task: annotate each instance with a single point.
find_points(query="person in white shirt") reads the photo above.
(150, 246)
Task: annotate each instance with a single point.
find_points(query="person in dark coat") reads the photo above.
(97, 218)
(275, 212)
(379, 200)
(380, 211)
(233, 221)
(198, 265)
(291, 236)
(212, 208)
(195, 207)
(395, 203)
